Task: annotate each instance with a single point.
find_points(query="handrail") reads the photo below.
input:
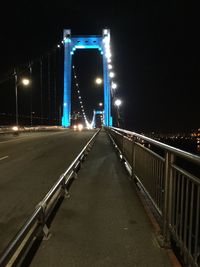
(171, 185)
(39, 215)
(176, 151)
(9, 251)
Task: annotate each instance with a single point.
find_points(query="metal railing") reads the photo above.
(36, 225)
(170, 178)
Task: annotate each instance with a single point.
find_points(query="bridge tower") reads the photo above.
(96, 112)
(71, 44)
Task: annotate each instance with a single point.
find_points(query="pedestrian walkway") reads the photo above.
(103, 223)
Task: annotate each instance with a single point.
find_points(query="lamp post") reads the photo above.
(118, 103)
(31, 101)
(25, 82)
(16, 97)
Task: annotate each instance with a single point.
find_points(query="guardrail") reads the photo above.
(36, 226)
(170, 178)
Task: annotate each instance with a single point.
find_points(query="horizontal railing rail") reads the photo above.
(36, 224)
(170, 177)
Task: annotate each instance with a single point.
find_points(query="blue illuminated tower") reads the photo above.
(71, 44)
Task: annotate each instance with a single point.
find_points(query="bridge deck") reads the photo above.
(103, 223)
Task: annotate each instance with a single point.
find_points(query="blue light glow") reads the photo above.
(67, 40)
(87, 47)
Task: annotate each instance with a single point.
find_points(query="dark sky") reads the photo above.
(155, 47)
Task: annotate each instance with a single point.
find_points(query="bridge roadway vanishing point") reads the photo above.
(103, 223)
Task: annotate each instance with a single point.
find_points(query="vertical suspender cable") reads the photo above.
(55, 87)
(31, 100)
(41, 93)
(49, 90)
(16, 103)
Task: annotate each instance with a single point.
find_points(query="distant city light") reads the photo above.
(58, 46)
(100, 104)
(98, 81)
(109, 66)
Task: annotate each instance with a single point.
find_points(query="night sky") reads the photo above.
(155, 47)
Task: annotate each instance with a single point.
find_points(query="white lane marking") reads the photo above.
(4, 158)
(28, 137)
(9, 141)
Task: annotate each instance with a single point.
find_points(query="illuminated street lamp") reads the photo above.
(118, 103)
(100, 104)
(114, 86)
(98, 81)
(111, 74)
(24, 82)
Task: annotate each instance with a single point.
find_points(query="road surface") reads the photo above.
(29, 166)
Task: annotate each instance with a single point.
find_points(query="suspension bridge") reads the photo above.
(96, 195)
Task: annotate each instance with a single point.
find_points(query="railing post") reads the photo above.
(122, 145)
(45, 229)
(64, 188)
(167, 210)
(133, 157)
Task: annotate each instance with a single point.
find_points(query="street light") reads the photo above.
(114, 86)
(118, 103)
(98, 81)
(111, 74)
(24, 82)
(100, 104)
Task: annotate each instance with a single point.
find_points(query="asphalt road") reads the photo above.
(29, 166)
